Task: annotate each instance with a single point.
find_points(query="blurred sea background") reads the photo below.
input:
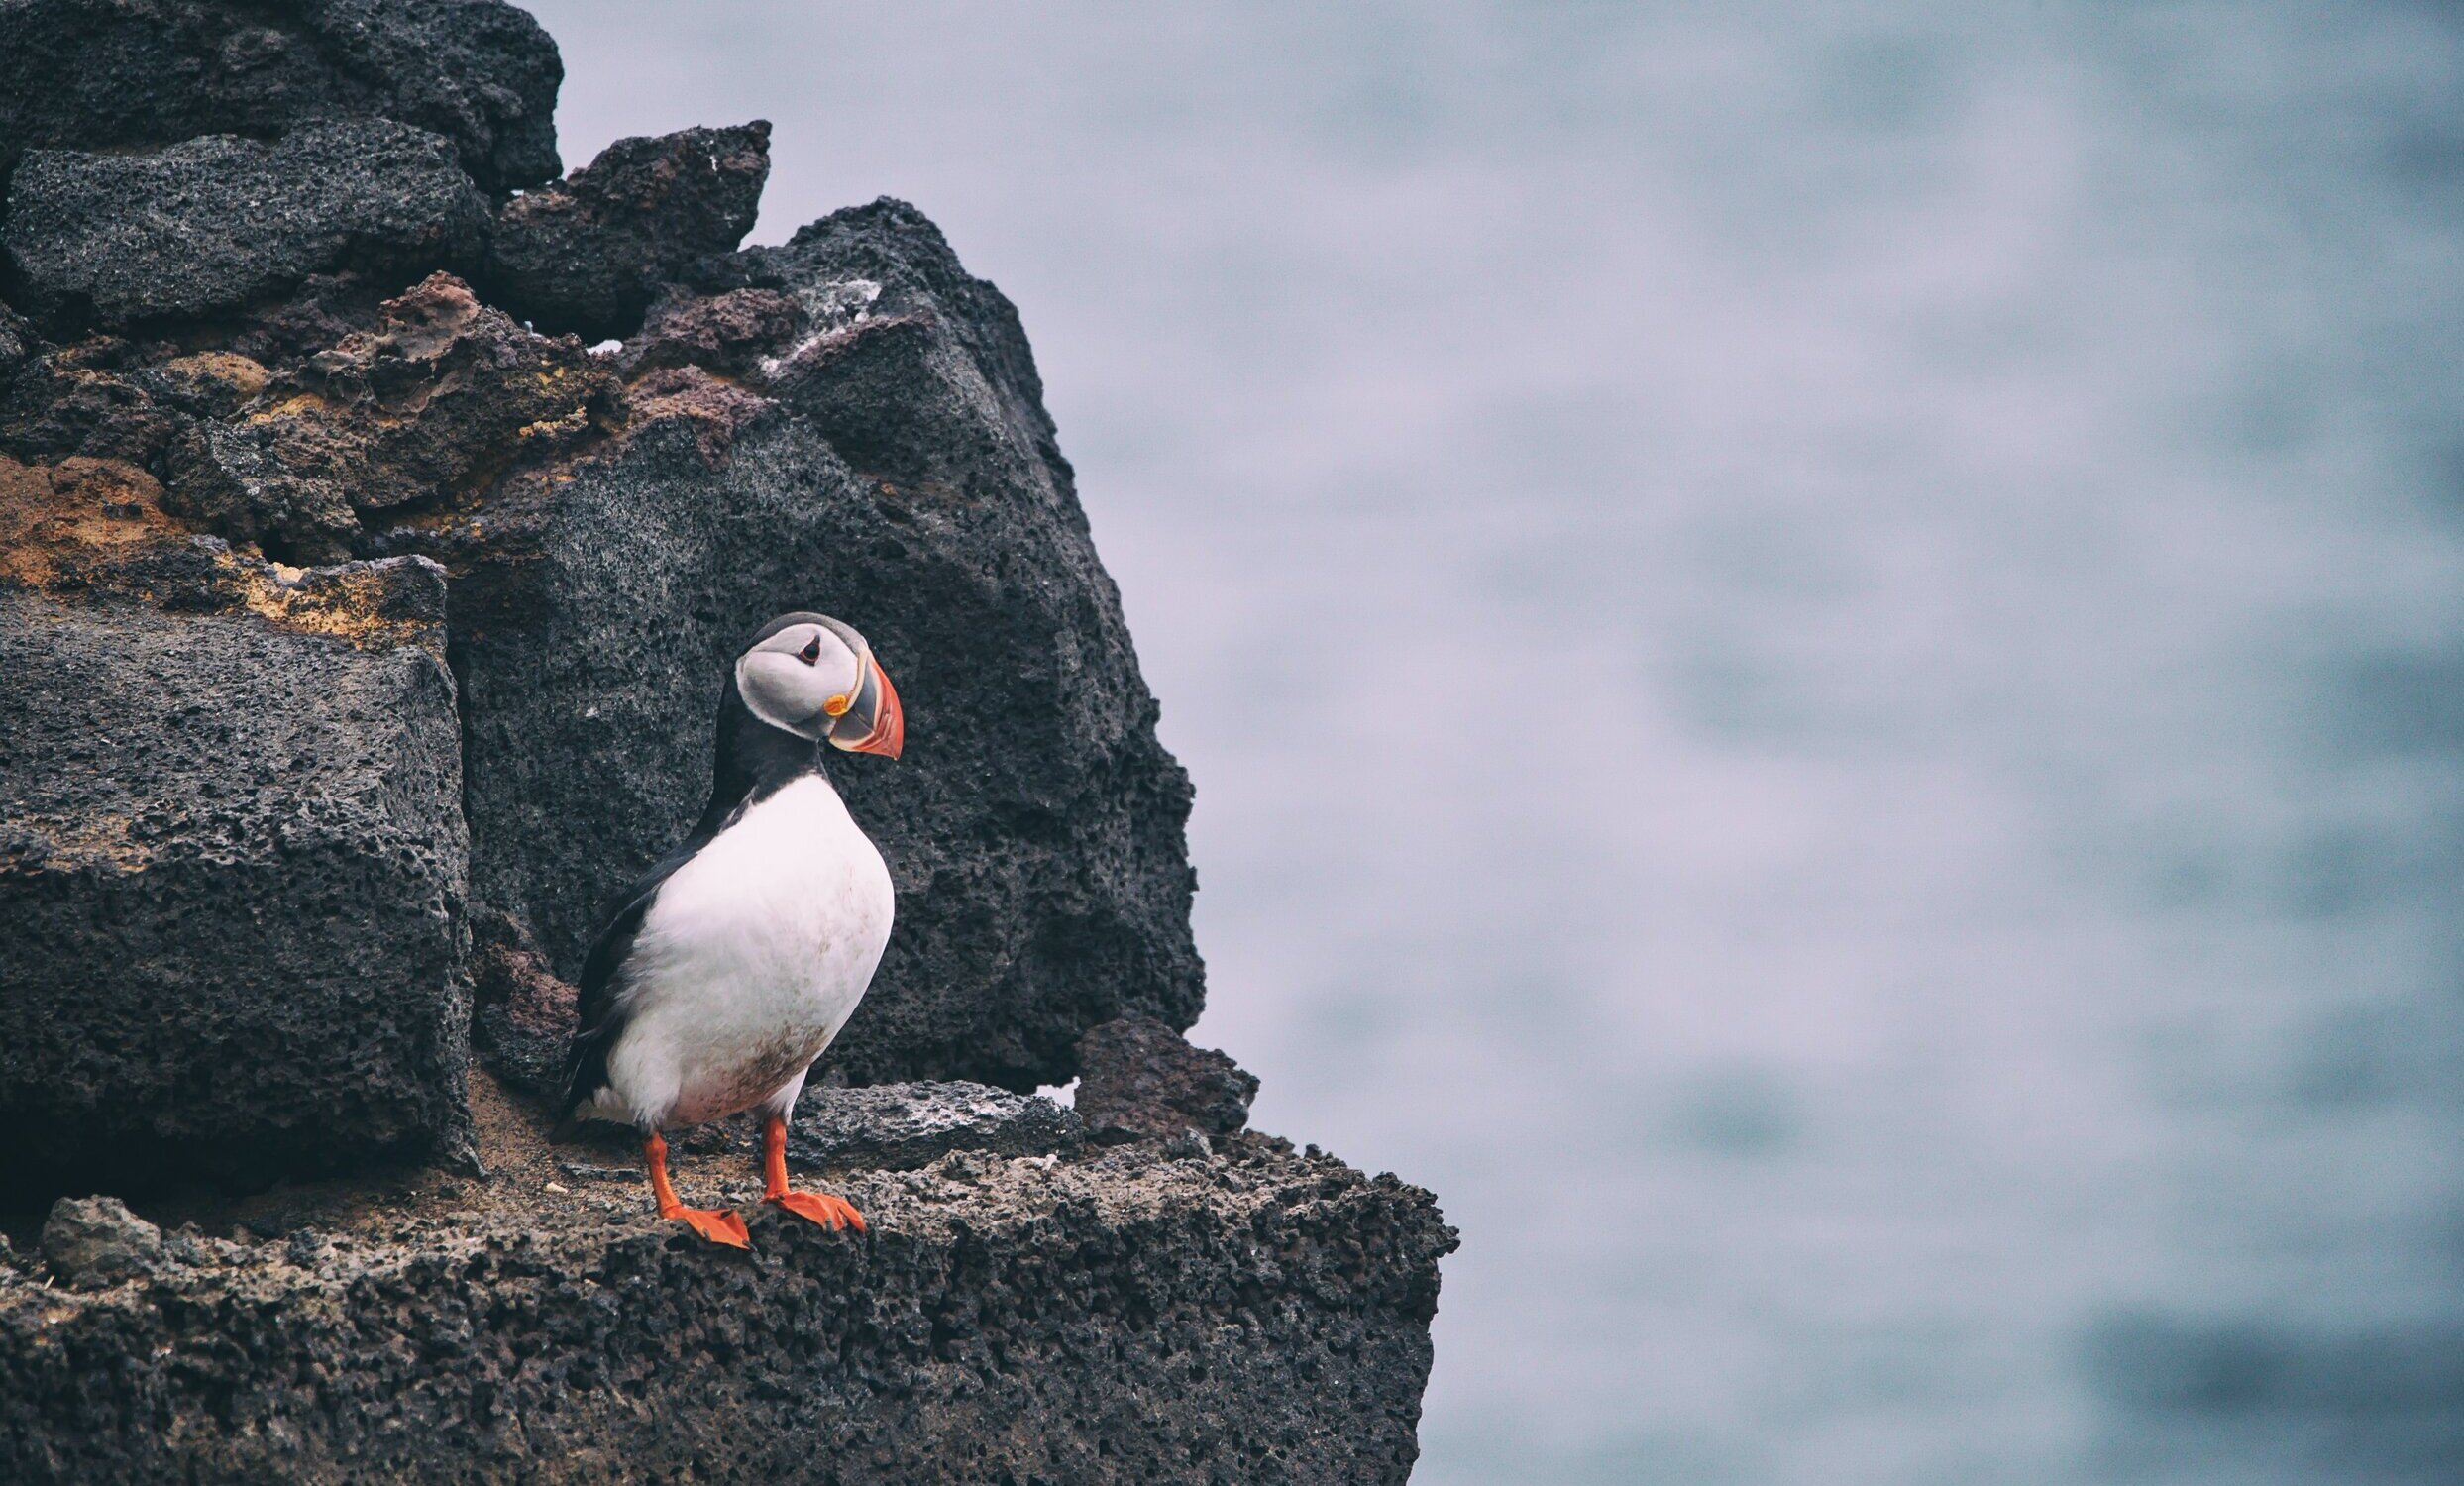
(1823, 647)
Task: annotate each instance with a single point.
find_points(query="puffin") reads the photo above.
(730, 965)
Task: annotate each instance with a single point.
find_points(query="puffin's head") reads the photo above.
(815, 677)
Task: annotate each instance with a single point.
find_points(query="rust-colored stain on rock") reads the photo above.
(54, 515)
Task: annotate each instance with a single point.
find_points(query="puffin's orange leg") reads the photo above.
(832, 1213)
(719, 1227)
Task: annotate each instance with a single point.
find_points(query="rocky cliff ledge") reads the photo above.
(1228, 1313)
(359, 633)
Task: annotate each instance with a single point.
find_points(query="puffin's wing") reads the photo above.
(601, 1018)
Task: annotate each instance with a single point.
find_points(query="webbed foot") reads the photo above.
(832, 1213)
(716, 1225)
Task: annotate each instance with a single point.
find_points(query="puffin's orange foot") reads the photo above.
(717, 1227)
(832, 1213)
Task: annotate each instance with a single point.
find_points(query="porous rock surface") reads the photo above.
(1249, 1317)
(112, 74)
(887, 460)
(232, 871)
(588, 254)
(97, 1242)
(1139, 1078)
(438, 394)
(211, 224)
(900, 1126)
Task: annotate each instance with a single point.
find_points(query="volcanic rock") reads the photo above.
(521, 1014)
(214, 223)
(95, 1242)
(232, 870)
(99, 75)
(588, 254)
(84, 399)
(325, 310)
(1033, 827)
(728, 333)
(208, 384)
(1139, 1078)
(900, 1126)
(1258, 1317)
(441, 396)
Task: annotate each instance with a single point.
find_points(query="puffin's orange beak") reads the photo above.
(872, 722)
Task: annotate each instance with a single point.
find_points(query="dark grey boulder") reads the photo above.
(232, 874)
(214, 223)
(96, 1240)
(919, 374)
(587, 255)
(888, 462)
(97, 74)
(900, 1126)
(1139, 1078)
(1259, 1316)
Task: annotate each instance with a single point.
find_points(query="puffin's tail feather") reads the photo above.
(586, 1074)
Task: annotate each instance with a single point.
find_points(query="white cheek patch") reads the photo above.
(771, 694)
(784, 691)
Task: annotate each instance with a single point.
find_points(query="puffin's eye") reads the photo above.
(811, 650)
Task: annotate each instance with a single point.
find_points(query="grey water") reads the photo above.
(1823, 647)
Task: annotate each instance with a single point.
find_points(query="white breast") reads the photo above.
(749, 961)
